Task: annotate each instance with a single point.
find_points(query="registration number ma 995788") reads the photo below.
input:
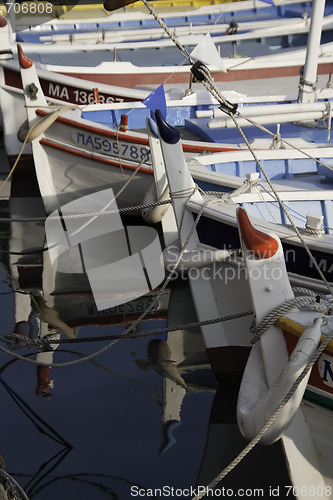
(120, 149)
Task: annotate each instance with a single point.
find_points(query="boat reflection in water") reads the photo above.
(62, 302)
(142, 416)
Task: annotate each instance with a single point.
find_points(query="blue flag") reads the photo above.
(156, 100)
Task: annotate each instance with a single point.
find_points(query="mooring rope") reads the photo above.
(122, 210)
(26, 342)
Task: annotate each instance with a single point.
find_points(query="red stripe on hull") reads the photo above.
(95, 130)
(68, 150)
(132, 80)
(127, 80)
(68, 93)
(126, 137)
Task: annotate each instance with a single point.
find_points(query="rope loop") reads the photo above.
(183, 193)
(197, 69)
(311, 230)
(309, 300)
(307, 86)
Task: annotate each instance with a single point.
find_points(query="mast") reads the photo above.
(308, 80)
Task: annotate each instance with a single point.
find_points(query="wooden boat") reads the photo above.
(130, 69)
(265, 287)
(70, 148)
(131, 149)
(140, 62)
(73, 33)
(182, 103)
(109, 170)
(133, 21)
(116, 14)
(296, 180)
(56, 90)
(98, 148)
(303, 196)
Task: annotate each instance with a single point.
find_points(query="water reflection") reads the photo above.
(144, 415)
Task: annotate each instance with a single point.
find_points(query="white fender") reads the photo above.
(27, 134)
(155, 214)
(269, 373)
(257, 401)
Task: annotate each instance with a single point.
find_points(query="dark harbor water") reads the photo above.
(144, 419)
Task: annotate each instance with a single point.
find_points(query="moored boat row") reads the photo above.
(249, 223)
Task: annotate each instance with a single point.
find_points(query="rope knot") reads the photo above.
(199, 70)
(307, 86)
(183, 193)
(15, 341)
(228, 107)
(32, 91)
